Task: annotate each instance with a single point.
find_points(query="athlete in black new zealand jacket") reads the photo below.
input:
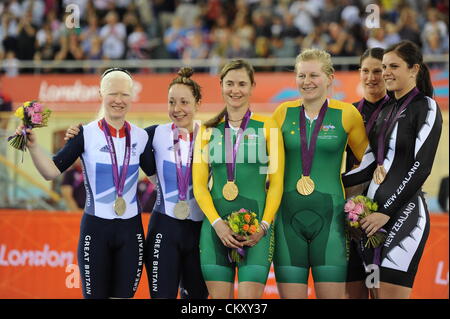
(410, 146)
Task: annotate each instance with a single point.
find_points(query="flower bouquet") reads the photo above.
(356, 209)
(33, 115)
(242, 223)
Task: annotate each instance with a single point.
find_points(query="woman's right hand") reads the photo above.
(31, 136)
(226, 235)
(72, 132)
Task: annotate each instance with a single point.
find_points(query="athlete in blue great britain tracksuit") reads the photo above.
(111, 245)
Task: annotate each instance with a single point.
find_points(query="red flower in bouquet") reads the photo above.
(356, 209)
(243, 223)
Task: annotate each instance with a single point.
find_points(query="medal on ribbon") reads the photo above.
(305, 185)
(230, 191)
(119, 205)
(380, 172)
(182, 210)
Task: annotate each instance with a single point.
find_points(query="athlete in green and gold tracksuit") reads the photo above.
(309, 229)
(252, 162)
(259, 159)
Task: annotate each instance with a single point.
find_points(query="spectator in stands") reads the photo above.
(305, 11)
(220, 32)
(10, 64)
(102, 7)
(15, 8)
(392, 35)
(237, 50)
(244, 30)
(291, 31)
(435, 23)
(175, 37)
(442, 7)
(200, 27)
(89, 32)
(95, 51)
(316, 39)
(262, 48)
(8, 32)
(26, 38)
(408, 27)
(433, 43)
(42, 34)
(164, 10)
(188, 10)
(435, 36)
(47, 50)
(339, 40)
(282, 8)
(130, 20)
(122, 6)
(72, 188)
(56, 25)
(70, 50)
(113, 35)
(213, 9)
(266, 8)
(37, 8)
(349, 14)
(261, 25)
(377, 39)
(138, 46)
(283, 48)
(276, 26)
(331, 11)
(195, 49)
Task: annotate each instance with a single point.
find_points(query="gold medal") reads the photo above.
(305, 185)
(120, 206)
(379, 174)
(181, 210)
(230, 191)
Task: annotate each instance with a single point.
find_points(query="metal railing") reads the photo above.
(211, 64)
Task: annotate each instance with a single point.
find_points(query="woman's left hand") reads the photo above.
(254, 239)
(372, 223)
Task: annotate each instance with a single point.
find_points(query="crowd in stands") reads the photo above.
(51, 30)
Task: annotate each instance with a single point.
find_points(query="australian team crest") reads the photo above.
(328, 128)
(328, 131)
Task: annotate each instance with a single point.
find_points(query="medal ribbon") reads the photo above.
(374, 116)
(308, 151)
(119, 181)
(183, 180)
(232, 152)
(389, 124)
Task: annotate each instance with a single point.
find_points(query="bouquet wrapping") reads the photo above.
(356, 209)
(33, 115)
(243, 223)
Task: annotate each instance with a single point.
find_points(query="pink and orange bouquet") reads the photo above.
(356, 209)
(33, 115)
(243, 223)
